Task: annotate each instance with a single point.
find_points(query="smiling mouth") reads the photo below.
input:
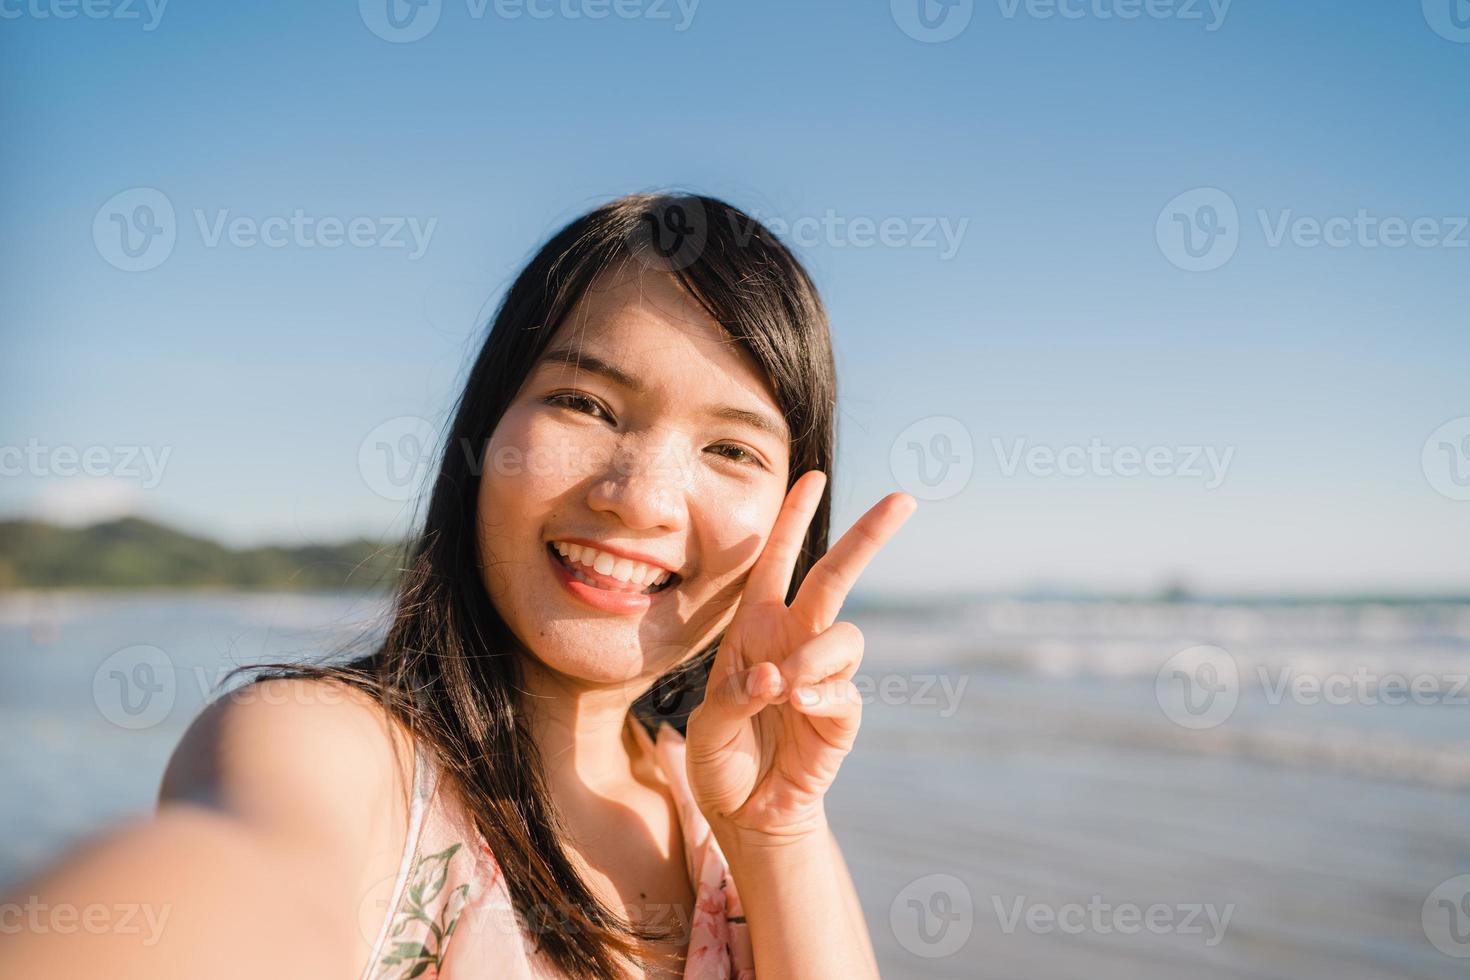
(568, 556)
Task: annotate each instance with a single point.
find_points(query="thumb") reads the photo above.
(732, 698)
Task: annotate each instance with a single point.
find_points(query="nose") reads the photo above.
(646, 483)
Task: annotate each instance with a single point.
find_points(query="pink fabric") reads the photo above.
(452, 918)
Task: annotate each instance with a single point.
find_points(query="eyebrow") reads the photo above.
(583, 361)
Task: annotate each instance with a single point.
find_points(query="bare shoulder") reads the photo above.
(301, 757)
(280, 830)
(319, 777)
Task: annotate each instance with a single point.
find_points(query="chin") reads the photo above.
(598, 656)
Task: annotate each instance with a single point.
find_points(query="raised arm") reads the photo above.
(279, 828)
(780, 714)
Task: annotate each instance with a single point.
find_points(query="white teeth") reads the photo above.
(622, 569)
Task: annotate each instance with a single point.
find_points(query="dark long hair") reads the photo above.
(449, 667)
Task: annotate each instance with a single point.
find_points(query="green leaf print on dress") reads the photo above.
(425, 883)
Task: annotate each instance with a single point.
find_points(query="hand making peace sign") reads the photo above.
(764, 773)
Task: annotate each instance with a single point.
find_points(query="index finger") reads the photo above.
(826, 586)
(770, 577)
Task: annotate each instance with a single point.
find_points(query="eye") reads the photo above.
(578, 402)
(738, 454)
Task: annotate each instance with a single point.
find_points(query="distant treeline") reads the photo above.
(135, 553)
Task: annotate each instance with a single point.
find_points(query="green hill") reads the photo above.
(136, 553)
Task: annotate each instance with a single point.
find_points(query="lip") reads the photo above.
(605, 600)
(620, 552)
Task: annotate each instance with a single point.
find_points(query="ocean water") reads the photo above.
(1041, 788)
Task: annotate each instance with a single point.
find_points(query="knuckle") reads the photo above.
(868, 535)
(825, 573)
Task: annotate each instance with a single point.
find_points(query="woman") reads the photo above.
(629, 522)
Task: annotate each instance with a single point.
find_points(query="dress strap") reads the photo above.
(418, 806)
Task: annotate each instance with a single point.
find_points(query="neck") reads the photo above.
(582, 733)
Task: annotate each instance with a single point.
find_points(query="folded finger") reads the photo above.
(731, 698)
(835, 653)
(834, 708)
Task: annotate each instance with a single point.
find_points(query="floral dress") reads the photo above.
(450, 916)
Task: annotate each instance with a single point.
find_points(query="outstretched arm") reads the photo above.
(256, 864)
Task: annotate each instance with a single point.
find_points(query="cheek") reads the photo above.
(533, 459)
(751, 514)
(734, 524)
(524, 477)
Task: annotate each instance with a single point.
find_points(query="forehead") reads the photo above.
(647, 324)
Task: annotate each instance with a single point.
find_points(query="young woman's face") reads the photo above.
(643, 432)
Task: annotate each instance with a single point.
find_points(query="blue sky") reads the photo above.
(1056, 316)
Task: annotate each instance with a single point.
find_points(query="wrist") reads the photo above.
(744, 844)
